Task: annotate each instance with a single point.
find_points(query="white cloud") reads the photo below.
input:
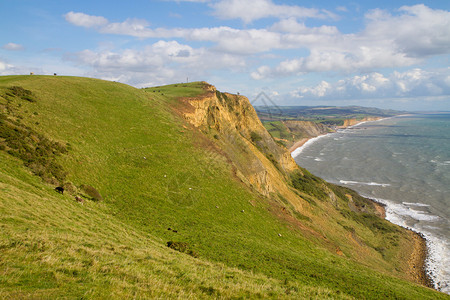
(160, 63)
(413, 83)
(7, 68)
(418, 31)
(13, 47)
(84, 20)
(401, 39)
(251, 10)
(387, 41)
(4, 67)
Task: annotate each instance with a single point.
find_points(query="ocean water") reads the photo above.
(403, 162)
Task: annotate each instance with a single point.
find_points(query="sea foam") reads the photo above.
(437, 263)
(308, 143)
(350, 182)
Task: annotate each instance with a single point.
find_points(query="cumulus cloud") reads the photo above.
(84, 20)
(419, 32)
(4, 67)
(412, 83)
(251, 10)
(13, 47)
(163, 62)
(7, 68)
(403, 38)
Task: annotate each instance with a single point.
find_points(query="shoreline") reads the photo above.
(417, 261)
(297, 148)
(299, 144)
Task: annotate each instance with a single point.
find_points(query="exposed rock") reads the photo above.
(232, 120)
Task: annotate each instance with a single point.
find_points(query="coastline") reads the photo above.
(301, 143)
(417, 261)
(298, 144)
(297, 148)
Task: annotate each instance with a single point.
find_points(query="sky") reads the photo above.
(386, 54)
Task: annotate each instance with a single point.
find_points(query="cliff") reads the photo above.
(352, 122)
(233, 123)
(293, 133)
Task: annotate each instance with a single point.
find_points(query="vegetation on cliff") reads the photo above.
(198, 201)
(290, 124)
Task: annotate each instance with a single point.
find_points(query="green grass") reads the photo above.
(128, 145)
(278, 130)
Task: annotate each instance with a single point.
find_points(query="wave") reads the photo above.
(350, 182)
(415, 204)
(308, 143)
(445, 163)
(437, 263)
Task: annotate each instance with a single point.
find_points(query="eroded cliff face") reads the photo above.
(234, 125)
(306, 128)
(351, 122)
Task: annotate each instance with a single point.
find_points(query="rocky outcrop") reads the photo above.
(352, 122)
(233, 124)
(306, 128)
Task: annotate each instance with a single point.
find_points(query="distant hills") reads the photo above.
(323, 114)
(290, 124)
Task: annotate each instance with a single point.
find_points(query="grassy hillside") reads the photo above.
(160, 182)
(331, 115)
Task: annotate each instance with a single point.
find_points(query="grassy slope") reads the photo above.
(127, 143)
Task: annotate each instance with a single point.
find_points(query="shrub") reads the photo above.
(274, 161)
(182, 247)
(91, 192)
(308, 184)
(22, 93)
(255, 137)
(37, 152)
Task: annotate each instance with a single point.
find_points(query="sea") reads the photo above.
(402, 162)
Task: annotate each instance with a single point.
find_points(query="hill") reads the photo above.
(294, 124)
(322, 114)
(186, 195)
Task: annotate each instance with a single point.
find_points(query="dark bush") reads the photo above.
(91, 192)
(273, 161)
(255, 137)
(181, 247)
(36, 151)
(22, 93)
(308, 184)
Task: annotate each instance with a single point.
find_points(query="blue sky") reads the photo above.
(388, 54)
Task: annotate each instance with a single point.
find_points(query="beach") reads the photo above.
(349, 124)
(298, 144)
(417, 261)
(413, 185)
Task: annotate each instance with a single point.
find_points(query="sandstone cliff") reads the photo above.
(351, 122)
(234, 125)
